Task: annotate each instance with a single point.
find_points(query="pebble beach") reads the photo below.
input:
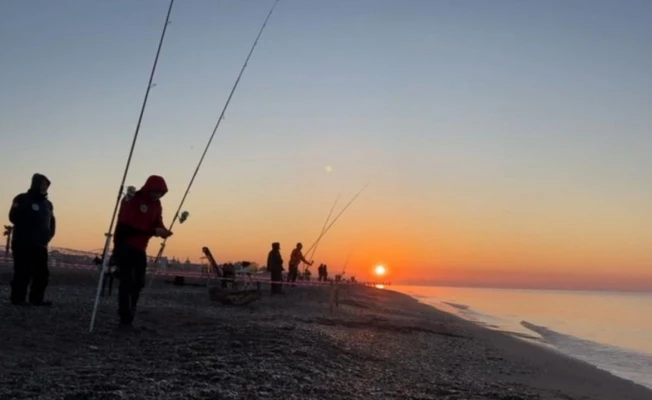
(377, 344)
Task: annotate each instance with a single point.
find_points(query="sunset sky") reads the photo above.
(506, 142)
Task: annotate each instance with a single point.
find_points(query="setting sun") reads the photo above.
(380, 270)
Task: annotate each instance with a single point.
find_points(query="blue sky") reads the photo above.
(451, 107)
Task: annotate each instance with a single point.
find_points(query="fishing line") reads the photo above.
(323, 228)
(346, 262)
(338, 216)
(108, 234)
(210, 140)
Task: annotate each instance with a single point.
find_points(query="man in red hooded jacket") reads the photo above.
(140, 217)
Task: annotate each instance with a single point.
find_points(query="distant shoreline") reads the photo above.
(546, 289)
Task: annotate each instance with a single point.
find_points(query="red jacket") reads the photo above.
(140, 215)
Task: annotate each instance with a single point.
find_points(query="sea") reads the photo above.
(611, 330)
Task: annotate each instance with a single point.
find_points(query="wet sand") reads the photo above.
(377, 345)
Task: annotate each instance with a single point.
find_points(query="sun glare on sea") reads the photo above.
(380, 270)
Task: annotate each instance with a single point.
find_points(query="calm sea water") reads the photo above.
(612, 331)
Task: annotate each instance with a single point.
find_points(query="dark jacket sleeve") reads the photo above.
(17, 211)
(53, 227)
(53, 221)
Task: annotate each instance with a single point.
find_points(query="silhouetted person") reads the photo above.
(34, 226)
(8, 231)
(275, 266)
(140, 218)
(295, 259)
(323, 273)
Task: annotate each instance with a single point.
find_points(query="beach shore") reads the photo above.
(377, 344)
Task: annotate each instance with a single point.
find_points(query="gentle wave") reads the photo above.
(458, 306)
(621, 362)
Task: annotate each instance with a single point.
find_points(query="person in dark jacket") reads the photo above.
(34, 227)
(139, 219)
(275, 266)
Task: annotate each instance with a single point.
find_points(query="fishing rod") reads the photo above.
(346, 262)
(210, 140)
(338, 216)
(108, 234)
(323, 228)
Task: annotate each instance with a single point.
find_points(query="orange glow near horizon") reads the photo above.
(450, 258)
(454, 244)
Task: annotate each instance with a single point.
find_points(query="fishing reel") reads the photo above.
(183, 217)
(130, 193)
